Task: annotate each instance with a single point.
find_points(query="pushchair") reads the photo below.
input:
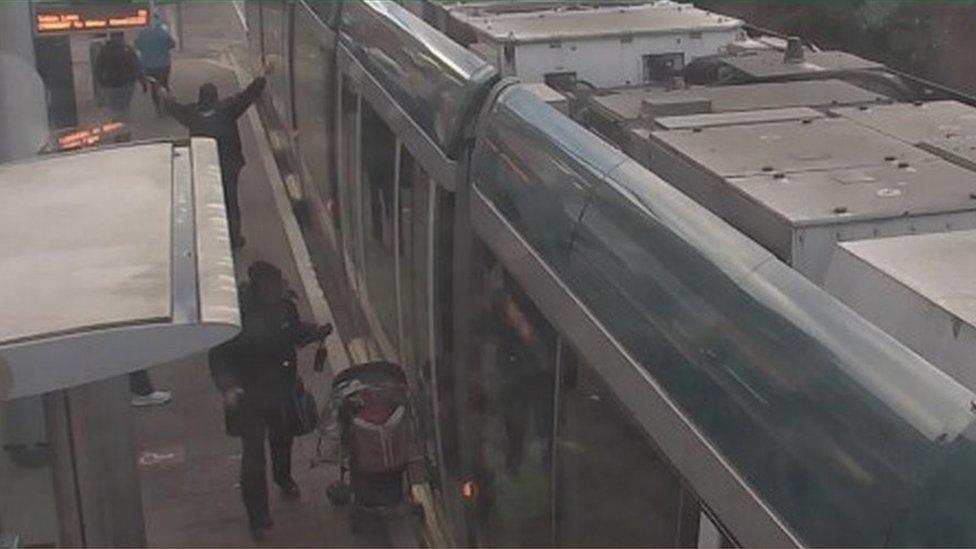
(370, 409)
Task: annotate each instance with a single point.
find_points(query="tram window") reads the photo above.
(415, 215)
(348, 175)
(448, 408)
(274, 23)
(612, 487)
(378, 173)
(314, 107)
(513, 369)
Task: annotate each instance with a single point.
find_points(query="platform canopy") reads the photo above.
(110, 261)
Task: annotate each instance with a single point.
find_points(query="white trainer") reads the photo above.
(152, 399)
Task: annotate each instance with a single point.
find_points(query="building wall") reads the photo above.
(610, 62)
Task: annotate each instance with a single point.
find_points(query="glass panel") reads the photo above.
(837, 427)
(314, 107)
(27, 504)
(603, 457)
(513, 370)
(276, 52)
(447, 407)
(401, 51)
(415, 206)
(253, 15)
(348, 183)
(538, 167)
(378, 172)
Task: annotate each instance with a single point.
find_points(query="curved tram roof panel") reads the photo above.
(111, 261)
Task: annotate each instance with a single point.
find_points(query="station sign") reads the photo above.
(84, 138)
(65, 17)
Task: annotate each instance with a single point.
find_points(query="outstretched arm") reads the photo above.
(239, 103)
(303, 333)
(180, 112)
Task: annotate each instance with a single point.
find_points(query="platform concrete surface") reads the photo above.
(189, 468)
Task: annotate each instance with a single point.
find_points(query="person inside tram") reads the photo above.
(256, 373)
(117, 69)
(524, 383)
(214, 117)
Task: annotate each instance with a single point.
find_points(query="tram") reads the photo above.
(599, 360)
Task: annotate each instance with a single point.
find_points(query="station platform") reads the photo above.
(189, 469)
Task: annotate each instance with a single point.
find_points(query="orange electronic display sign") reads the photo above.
(88, 17)
(88, 137)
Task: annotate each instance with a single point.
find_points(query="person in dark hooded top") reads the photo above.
(213, 117)
(255, 373)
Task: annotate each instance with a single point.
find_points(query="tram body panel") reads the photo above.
(439, 83)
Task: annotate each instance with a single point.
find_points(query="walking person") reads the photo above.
(256, 373)
(117, 70)
(154, 45)
(213, 117)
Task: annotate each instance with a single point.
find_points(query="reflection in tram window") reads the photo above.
(378, 173)
(314, 106)
(514, 351)
(612, 487)
(274, 25)
(348, 174)
(414, 201)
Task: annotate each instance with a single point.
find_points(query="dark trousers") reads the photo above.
(230, 175)
(161, 74)
(140, 384)
(258, 423)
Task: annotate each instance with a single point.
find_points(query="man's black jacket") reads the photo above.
(219, 122)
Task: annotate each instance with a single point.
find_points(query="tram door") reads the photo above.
(347, 146)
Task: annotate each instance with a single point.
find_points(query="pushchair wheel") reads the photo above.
(338, 493)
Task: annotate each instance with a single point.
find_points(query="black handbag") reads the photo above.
(301, 411)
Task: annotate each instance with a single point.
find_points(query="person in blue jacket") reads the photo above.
(154, 45)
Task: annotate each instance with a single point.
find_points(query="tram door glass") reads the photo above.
(274, 26)
(348, 145)
(612, 488)
(513, 367)
(314, 106)
(446, 408)
(378, 174)
(415, 207)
